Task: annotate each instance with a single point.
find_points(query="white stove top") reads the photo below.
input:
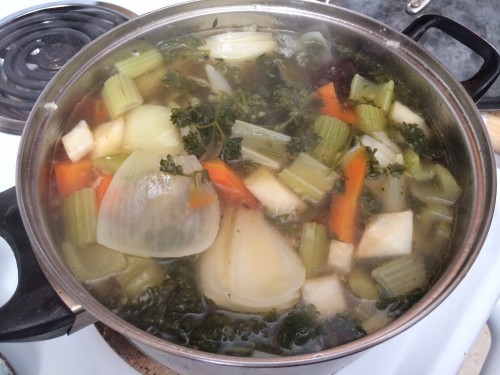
(435, 345)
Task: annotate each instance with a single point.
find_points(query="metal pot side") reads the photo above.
(453, 113)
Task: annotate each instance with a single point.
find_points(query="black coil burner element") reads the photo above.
(36, 43)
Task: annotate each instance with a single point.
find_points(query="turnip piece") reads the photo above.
(326, 293)
(387, 234)
(78, 142)
(108, 138)
(275, 196)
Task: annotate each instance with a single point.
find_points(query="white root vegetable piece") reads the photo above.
(384, 154)
(275, 196)
(149, 127)
(108, 138)
(340, 256)
(78, 142)
(146, 213)
(239, 46)
(399, 113)
(387, 234)
(326, 293)
(250, 267)
(217, 81)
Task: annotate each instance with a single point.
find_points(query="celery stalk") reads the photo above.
(308, 177)
(335, 136)
(141, 63)
(79, 211)
(314, 246)
(370, 118)
(368, 92)
(260, 145)
(401, 275)
(140, 274)
(110, 163)
(120, 94)
(362, 284)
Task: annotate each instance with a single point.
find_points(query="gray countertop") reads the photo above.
(482, 17)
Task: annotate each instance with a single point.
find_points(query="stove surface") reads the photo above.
(435, 345)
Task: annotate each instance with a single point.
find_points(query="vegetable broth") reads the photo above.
(253, 193)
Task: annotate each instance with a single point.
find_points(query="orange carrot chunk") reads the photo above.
(199, 198)
(344, 210)
(71, 177)
(230, 186)
(332, 106)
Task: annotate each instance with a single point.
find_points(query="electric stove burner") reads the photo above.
(35, 44)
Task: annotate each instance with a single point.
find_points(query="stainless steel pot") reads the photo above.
(449, 103)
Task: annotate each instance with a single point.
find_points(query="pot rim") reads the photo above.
(423, 63)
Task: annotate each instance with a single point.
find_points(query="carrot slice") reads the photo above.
(199, 198)
(100, 112)
(344, 210)
(71, 177)
(332, 106)
(229, 184)
(104, 180)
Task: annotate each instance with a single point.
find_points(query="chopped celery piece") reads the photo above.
(79, 212)
(368, 92)
(308, 177)
(335, 136)
(110, 163)
(314, 246)
(92, 262)
(418, 169)
(362, 284)
(394, 194)
(260, 145)
(120, 94)
(150, 84)
(432, 230)
(370, 118)
(431, 215)
(442, 189)
(141, 63)
(400, 276)
(139, 275)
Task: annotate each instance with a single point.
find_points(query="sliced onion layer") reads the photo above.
(146, 212)
(250, 267)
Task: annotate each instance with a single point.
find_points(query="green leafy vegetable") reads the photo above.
(192, 144)
(168, 165)
(182, 49)
(415, 138)
(300, 326)
(231, 148)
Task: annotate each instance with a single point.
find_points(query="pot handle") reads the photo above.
(478, 84)
(35, 311)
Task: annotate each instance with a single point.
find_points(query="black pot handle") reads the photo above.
(35, 311)
(477, 85)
